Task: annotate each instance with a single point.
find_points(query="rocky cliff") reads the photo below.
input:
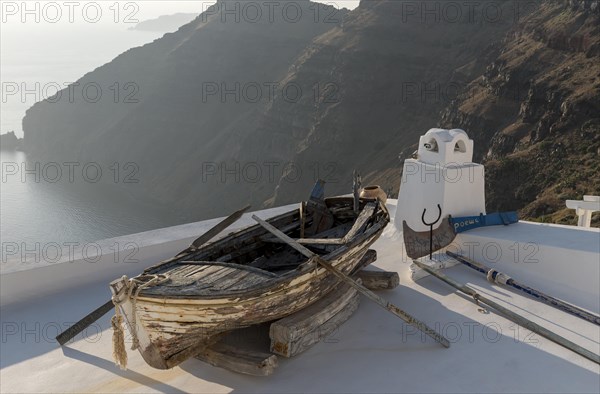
(394, 67)
(9, 141)
(178, 107)
(535, 112)
(236, 108)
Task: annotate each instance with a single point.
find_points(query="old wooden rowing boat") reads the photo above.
(176, 308)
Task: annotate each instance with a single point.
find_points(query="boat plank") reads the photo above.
(379, 280)
(244, 267)
(290, 348)
(252, 281)
(361, 222)
(213, 273)
(302, 323)
(189, 285)
(369, 258)
(231, 280)
(201, 303)
(238, 360)
(197, 271)
(181, 270)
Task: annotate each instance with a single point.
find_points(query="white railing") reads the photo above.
(585, 209)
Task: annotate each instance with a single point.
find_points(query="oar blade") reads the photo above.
(416, 243)
(228, 221)
(84, 323)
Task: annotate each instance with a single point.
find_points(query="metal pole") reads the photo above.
(520, 320)
(499, 277)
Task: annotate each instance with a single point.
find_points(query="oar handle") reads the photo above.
(84, 323)
(385, 304)
(545, 298)
(361, 289)
(512, 316)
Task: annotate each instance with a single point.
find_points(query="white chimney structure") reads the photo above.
(444, 174)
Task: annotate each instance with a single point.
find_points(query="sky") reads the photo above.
(60, 13)
(161, 8)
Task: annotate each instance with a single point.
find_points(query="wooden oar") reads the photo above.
(213, 232)
(520, 320)
(363, 290)
(500, 278)
(82, 324)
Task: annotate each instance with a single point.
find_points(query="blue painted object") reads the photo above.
(318, 192)
(467, 223)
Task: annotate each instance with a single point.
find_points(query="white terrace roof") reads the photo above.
(372, 352)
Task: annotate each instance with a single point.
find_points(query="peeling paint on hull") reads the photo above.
(170, 330)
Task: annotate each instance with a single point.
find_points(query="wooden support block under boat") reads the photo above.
(239, 281)
(297, 333)
(379, 280)
(235, 352)
(236, 359)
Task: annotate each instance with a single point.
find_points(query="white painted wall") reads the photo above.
(29, 277)
(372, 340)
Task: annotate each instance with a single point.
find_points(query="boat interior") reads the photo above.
(252, 256)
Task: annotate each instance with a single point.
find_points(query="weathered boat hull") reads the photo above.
(171, 330)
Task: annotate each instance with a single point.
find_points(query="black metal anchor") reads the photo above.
(431, 228)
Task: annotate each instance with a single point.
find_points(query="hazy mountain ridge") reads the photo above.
(176, 128)
(165, 23)
(366, 83)
(9, 141)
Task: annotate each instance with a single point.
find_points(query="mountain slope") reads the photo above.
(535, 113)
(165, 23)
(325, 95)
(393, 72)
(175, 116)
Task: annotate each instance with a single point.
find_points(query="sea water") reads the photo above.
(37, 209)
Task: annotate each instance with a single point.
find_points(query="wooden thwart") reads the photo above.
(332, 236)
